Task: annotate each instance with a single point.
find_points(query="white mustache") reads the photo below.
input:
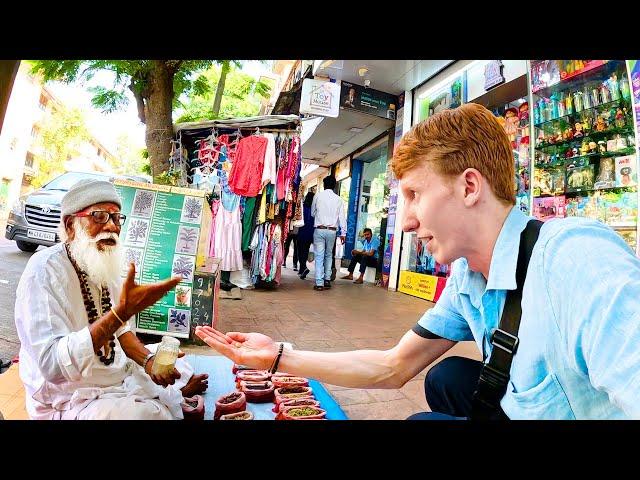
(105, 236)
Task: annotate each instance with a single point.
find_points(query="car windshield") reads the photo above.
(67, 180)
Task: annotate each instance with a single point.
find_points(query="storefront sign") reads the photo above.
(161, 236)
(343, 169)
(493, 74)
(418, 285)
(368, 100)
(320, 97)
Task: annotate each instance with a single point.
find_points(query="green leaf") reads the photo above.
(108, 100)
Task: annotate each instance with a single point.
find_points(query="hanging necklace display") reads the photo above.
(92, 313)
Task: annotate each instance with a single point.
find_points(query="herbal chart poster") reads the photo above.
(161, 236)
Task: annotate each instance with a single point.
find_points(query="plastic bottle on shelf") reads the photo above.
(624, 88)
(554, 105)
(536, 114)
(568, 104)
(614, 87)
(561, 105)
(586, 99)
(595, 95)
(605, 94)
(577, 101)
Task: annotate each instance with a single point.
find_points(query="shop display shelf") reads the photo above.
(563, 162)
(621, 102)
(588, 190)
(593, 135)
(580, 78)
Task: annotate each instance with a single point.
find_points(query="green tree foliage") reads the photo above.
(241, 97)
(129, 158)
(155, 84)
(60, 136)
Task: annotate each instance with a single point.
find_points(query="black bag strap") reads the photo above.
(494, 375)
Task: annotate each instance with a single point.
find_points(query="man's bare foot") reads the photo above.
(347, 277)
(196, 385)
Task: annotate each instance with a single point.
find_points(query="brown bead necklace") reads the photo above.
(92, 312)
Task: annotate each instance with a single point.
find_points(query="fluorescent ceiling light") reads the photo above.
(356, 129)
(335, 145)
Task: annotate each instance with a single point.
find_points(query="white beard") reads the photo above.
(102, 267)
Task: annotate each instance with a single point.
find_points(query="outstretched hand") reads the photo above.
(135, 298)
(251, 349)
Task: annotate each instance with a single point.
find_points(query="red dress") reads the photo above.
(246, 174)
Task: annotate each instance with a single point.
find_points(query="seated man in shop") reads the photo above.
(79, 358)
(575, 352)
(367, 257)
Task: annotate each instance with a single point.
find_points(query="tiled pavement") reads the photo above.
(344, 318)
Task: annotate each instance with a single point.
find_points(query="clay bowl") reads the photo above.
(252, 376)
(289, 381)
(245, 415)
(239, 368)
(193, 407)
(283, 394)
(302, 413)
(257, 392)
(230, 403)
(300, 402)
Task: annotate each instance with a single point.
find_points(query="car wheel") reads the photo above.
(26, 246)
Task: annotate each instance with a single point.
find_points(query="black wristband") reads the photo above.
(274, 367)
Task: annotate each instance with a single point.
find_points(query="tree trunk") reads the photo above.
(217, 101)
(159, 123)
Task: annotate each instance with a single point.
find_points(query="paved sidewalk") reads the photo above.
(344, 318)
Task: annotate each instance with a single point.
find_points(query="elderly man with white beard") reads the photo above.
(79, 358)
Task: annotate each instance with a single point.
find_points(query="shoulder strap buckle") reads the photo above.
(504, 340)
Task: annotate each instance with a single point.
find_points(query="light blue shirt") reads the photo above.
(579, 351)
(374, 244)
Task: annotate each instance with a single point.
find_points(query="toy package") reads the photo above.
(621, 209)
(606, 174)
(548, 208)
(575, 206)
(522, 202)
(580, 178)
(557, 181)
(626, 174)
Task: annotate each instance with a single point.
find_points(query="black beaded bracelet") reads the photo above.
(274, 367)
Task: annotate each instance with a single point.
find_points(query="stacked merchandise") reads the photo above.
(253, 178)
(585, 162)
(515, 121)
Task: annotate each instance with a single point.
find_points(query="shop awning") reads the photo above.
(290, 122)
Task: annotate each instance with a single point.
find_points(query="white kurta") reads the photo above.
(62, 376)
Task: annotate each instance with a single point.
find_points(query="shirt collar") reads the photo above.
(504, 260)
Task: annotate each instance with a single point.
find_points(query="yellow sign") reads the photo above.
(418, 285)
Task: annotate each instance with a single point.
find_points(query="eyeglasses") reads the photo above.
(102, 217)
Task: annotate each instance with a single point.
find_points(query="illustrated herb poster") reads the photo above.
(161, 236)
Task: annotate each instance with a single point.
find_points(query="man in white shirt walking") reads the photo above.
(328, 210)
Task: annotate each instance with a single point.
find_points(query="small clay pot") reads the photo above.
(257, 392)
(302, 413)
(245, 415)
(238, 368)
(193, 408)
(299, 402)
(289, 381)
(230, 403)
(283, 394)
(252, 376)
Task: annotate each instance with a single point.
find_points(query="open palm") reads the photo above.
(254, 350)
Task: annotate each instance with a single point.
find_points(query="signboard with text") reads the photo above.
(368, 100)
(320, 97)
(161, 236)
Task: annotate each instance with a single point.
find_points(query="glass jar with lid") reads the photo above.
(166, 356)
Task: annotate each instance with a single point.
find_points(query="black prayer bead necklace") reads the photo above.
(92, 312)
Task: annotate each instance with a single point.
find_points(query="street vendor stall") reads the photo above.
(249, 169)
